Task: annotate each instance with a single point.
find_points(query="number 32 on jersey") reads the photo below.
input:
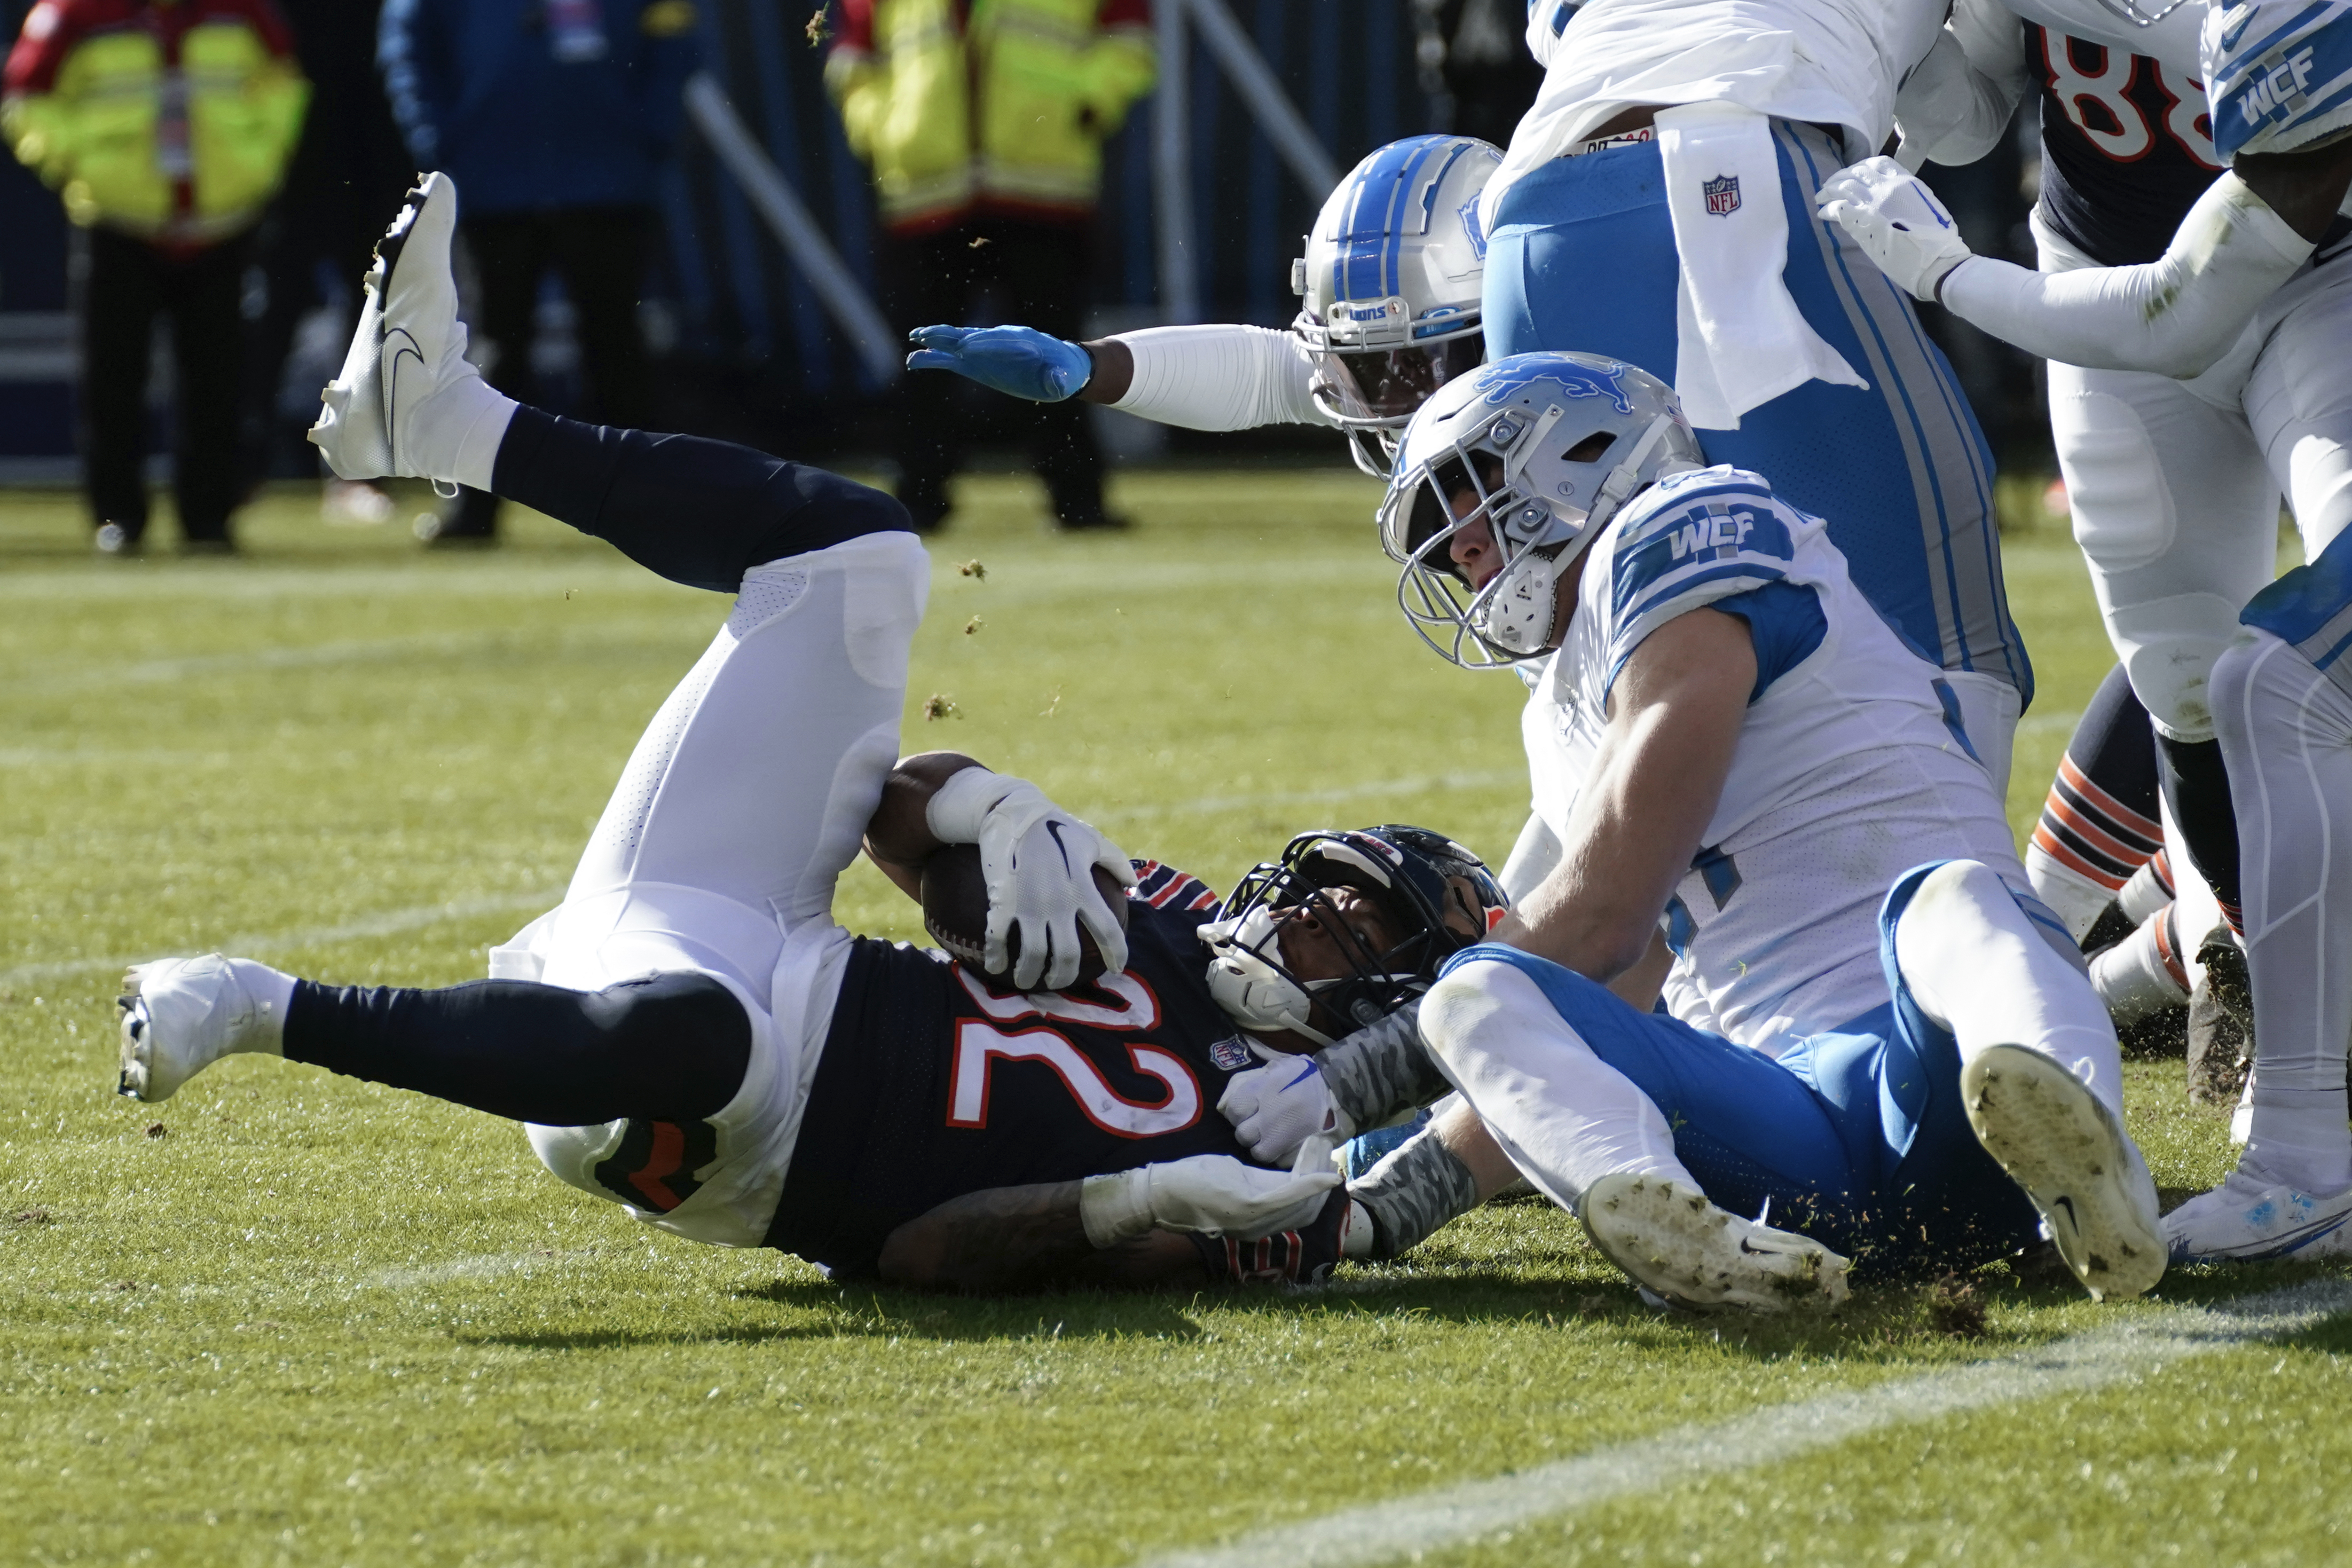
(980, 1045)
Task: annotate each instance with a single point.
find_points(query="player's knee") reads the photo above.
(689, 1022)
(2169, 648)
(1479, 1005)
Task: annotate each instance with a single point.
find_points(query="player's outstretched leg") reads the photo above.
(1682, 1248)
(182, 1015)
(407, 403)
(1586, 1135)
(2040, 1073)
(2286, 730)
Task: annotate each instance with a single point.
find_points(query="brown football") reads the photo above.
(955, 911)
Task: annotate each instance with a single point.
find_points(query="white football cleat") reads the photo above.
(1681, 1248)
(2058, 1141)
(407, 394)
(182, 1015)
(2247, 1218)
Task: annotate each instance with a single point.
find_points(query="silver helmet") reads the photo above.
(1391, 282)
(1540, 450)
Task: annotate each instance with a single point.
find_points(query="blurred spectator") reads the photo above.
(345, 181)
(166, 126)
(553, 116)
(984, 125)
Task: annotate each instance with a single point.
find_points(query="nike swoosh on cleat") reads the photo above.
(390, 373)
(2068, 1203)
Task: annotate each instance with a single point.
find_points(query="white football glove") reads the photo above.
(1215, 1195)
(1892, 215)
(1039, 862)
(1277, 1107)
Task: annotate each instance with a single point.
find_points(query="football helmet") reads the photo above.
(2278, 73)
(1439, 898)
(1391, 282)
(1546, 447)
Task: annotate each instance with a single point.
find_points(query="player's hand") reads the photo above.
(1038, 861)
(1276, 1108)
(1019, 360)
(1214, 1195)
(1896, 218)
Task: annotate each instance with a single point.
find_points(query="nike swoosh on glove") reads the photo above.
(1020, 362)
(1209, 1194)
(1039, 862)
(1897, 221)
(1277, 1107)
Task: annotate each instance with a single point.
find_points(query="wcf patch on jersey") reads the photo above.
(1231, 1054)
(1722, 195)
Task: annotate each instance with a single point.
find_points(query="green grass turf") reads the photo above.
(291, 1318)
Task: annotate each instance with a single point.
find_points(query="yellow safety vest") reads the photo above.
(94, 137)
(1013, 113)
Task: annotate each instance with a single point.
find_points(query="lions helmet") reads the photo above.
(2278, 74)
(1438, 897)
(1391, 283)
(1543, 448)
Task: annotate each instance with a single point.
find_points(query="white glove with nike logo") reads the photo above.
(1039, 862)
(1892, 215)
(1277, 1107)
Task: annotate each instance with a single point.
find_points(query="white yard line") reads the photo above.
(390, 924)
(2083, 1363)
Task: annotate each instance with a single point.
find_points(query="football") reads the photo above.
(955, 912)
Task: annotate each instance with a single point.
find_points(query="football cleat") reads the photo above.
(2058, 1141)
(1682, 1250)
(2246, 1217)
(409, 350)
(182, 1015)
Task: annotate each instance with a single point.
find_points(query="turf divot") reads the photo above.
(1455, 1515)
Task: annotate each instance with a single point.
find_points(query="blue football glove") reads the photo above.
(1018, 360)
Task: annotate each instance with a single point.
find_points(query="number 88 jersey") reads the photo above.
(2127, 145)
(933, 1083)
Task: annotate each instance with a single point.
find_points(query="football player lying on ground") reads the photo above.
(691, 1034)
(1768, 803)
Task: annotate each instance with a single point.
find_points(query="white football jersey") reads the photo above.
(1833, 62)
(1853, 766)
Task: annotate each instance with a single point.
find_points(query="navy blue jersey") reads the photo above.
(2126, 147)
(934, 1084)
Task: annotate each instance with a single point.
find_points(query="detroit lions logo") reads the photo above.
(1469, 216)
(1506, 378)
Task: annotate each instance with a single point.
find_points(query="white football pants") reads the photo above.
(2286, 734)
(2174, 484)
(745, 800)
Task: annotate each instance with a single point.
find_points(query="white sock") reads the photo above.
(273, 991)
(455, 433)
(2149, 889)
(2137, 977)
(2074, 898)
(1565, 1117)
(1977, 967)
(2300, 1142)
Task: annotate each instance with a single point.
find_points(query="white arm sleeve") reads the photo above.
(1218, 378)
(1955, 105)
(2174, 316)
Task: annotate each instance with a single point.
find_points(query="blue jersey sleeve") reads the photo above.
(1698, 541)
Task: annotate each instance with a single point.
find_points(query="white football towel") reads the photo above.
(1743, 340)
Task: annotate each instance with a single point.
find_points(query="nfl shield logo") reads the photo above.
(1230, 1054)
(1722, 195)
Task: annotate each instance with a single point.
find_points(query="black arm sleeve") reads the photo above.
(697, 512)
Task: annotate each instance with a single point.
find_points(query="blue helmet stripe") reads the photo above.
(1364, 262)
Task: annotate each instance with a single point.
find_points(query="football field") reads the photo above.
(292, 1318)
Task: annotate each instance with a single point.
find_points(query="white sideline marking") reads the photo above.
(1451, 1516)
(256, 946)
